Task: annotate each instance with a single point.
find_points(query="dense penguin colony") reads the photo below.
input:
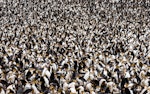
(74, 47)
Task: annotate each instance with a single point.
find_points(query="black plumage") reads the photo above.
(28, 75)
(23, 82)
(74, 75)
(43, 87)
(1, 59)
(27, 91)
(16, 60)
(42, 80)
(19, 54)
(148, 74)
(123, 82)
(52, 77)
(145, 92)
(21, 64)
(75, 65)
(107, 90)
(79, 68)
(127, 91)
(37, 77)
(61, 51)
(9, 58)
(109, 74)
(95, 82)
(3, 50)
(4, 82)
(103, 86)
(56, 83)
(11, 91)
(26, 60)
(137, 77)
(65, 66)
(81, 78)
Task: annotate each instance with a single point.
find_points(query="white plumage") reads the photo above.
(54, 66)
(27, 86)
(35, 89)
(46, 72)
(46, 81)
(73, 90)
(81, 89)
(127, 75)
(68, 75)
(105, 72)
(2, 91)
(10, 87)
(101, 81)
(110, 85)
(89, 86)
(72, 85)
(145, 82)
(87, 74)
(65, 86)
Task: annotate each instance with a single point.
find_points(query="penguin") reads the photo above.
(75, 65)
(123, 82)
(107, 90)
(95, 82)
(127, 91)
(28, 75)
(52, 77)
(42, 84)
(35, 89)
(103, 84)
(46, 72)
(2, 91)
(11, 89)
(4, 83)
(87, 75)
(28, 91)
